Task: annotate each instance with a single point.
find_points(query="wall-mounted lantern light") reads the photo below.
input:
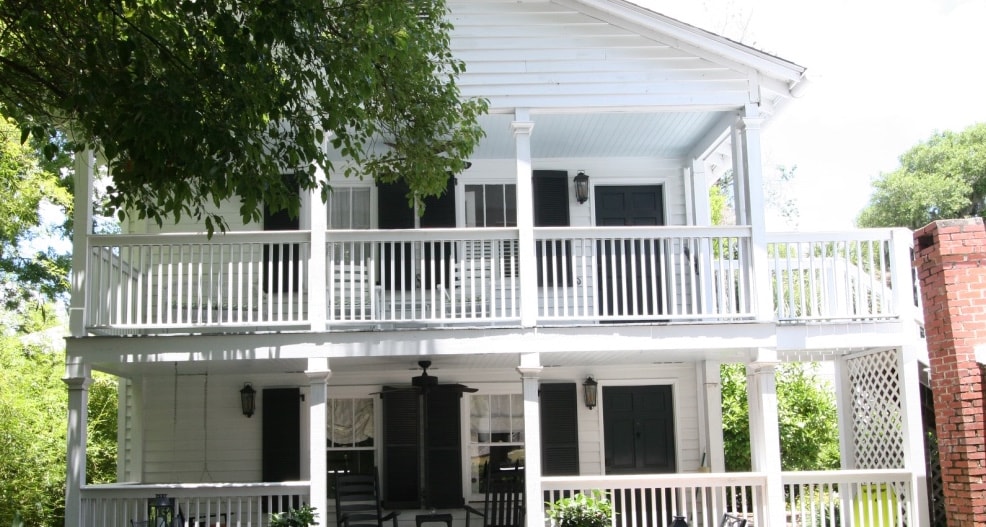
(161, 511)
(248, 399)
(582, 187)
(589, 392)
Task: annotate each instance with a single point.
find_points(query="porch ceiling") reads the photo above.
(662, 135)
(666, 135)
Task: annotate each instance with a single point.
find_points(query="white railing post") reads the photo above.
(913, 433)
(318, 373)
(530, 373)
(522, 128)
(765, 439)
(318, 218)
(82, 213)
(78, 378)
(753, 204)
(902, 279)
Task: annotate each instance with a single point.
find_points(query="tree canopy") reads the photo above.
(194, 102)
(806, 414)
(943, 177)
(28, 269)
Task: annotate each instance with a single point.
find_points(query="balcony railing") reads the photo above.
(428, 277)
(200, 504)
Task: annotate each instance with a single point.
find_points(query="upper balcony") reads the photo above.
(432, 278)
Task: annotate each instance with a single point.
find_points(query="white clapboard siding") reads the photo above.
(548, 54)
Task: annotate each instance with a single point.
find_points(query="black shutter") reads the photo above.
(401, 468)
(282, 258)
(559, 430)
(393, 212)
(281, 442)
(422, 474)
(443, 454)
(551, 210)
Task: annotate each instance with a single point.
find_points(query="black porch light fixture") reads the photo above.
(589, 392)
(582, 187)
(248, 399)
(161, 511)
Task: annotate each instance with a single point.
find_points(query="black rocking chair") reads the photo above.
(358, 502)
(504, 502)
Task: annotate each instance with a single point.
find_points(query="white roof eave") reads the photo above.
(767, 64)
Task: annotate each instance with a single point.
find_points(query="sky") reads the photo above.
(884, 75)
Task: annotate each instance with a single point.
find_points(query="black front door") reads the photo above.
(638, 428)
(629, 274)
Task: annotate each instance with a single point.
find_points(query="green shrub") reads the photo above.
(582, 510)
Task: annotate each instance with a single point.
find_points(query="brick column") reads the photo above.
(951, 262)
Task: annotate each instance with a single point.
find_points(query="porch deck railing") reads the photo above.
(201, 504)
(846, 498)
(263, 280)
(849, 498)
(642, 500)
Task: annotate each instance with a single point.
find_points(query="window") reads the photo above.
(349, 208)
(492, 205)
(496, 434)
(350, 436)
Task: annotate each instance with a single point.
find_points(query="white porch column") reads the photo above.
(522, 127)
(318, 373)
(910, 404)
(317, 224)
(765, 439)
(752, 198)
(78, 377)
(530, 374)
(82, 214)
(701, 212)
(710, 414)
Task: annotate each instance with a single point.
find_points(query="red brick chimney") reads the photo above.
(951, 264)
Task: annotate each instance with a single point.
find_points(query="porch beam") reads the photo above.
(318, 374)
(78, 377)
(765, 441)
(522, 126)
(530, 374)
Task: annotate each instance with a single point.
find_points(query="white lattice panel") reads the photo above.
(877, 418)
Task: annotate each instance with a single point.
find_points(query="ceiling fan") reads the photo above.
(424, 382)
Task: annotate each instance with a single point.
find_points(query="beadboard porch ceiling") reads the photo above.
(663, 135)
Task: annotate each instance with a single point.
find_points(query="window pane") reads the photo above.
(493, 205)
(350, 423)
(349, 208)
(510, 205)
(501, 457)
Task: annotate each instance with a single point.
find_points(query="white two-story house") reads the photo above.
(574, 255)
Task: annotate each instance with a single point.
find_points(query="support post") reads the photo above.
(751, 196)
(318, 223)
(710, 397)
(765, 441)
(78, 377)
(526, 257)
(913, 433)
(530, 374)
(318, 373)
(82, 213)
